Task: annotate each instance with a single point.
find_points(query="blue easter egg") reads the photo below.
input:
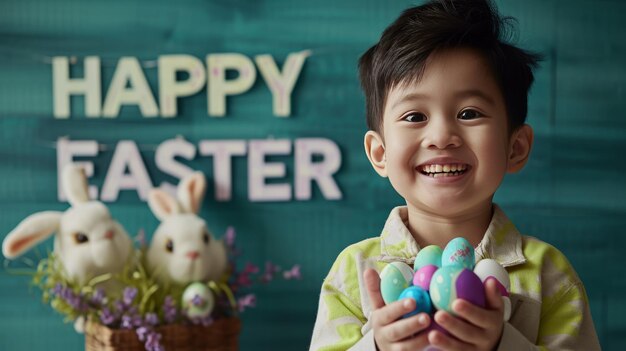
(430, 255)
(421, 297)
(458, 252)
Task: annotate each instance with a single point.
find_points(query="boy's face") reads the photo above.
(445, 145)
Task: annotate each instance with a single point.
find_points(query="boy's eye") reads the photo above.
(469, 114)
(415, 117)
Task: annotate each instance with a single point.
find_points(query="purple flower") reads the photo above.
(127, 321)
(153, 342)
(58, 289)
(246, 301)
(141, 333)
(129, 295)
(229, 236)
(293, 273)
(119, 306)
(98, 296)
(169, 310)
(151, 318)
(106, 317)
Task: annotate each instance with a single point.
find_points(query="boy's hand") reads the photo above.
(391, 332)
(475, 328)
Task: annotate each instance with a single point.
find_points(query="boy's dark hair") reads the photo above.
(401, 54)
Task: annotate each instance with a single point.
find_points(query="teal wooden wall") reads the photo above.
(571, 194)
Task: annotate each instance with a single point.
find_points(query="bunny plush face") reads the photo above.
(185, 255)
(88, 242)
(94, 243)
(182, 250)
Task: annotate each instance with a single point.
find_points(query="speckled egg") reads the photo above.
(430, 255)
(486, 268)
(197, 301)
(454, 282)
(421, 297)
(424, 275)
(458, 252)
(395, 277)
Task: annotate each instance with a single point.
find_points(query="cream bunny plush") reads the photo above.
(182, 249)
(88, 241)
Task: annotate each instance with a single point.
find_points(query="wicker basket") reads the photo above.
(221, 335)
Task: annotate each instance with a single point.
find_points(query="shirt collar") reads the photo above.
(501, 242)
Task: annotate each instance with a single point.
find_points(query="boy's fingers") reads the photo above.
(418, 342)
(372, 284)
(440, 340)
(406, 327)
(458, 327)
(478, 316)
(393, 311)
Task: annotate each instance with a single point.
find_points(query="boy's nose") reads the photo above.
(441, 134)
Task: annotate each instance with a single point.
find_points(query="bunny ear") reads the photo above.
(191, 192)
(32, 230)
(75, 184)
(162, 204)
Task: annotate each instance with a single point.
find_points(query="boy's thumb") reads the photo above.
(372, 284)
(494, 297)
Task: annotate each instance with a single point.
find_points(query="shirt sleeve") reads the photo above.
(565, 324)
(341, 323)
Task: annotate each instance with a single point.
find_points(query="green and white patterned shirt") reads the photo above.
(550, 310)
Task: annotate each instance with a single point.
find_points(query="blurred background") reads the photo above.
(571, 194)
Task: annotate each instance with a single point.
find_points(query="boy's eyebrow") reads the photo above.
(461, 94)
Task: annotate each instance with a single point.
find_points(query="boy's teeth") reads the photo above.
(441, 170)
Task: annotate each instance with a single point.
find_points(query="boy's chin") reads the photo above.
(449, 207)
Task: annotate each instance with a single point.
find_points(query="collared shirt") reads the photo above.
(550, 309)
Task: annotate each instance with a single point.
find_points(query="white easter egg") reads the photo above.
(197, 301)
(487, 267)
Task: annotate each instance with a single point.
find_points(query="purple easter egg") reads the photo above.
(424, 275)
(469, 287)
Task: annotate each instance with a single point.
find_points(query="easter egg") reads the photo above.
(423, 276)
(486, 268)
(458, 252)
(394, 278)
(454, 282)
(506, 302)
(430, 255)
(421, 297)
(197, 301)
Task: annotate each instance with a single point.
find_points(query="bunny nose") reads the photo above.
(193, 254)
(109, 234)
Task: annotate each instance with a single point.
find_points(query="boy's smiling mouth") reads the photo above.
(444, 170)
(443, 167)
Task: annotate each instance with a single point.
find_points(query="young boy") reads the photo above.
(446, 105)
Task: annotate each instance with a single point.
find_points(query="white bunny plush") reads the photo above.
(88, 241)
(182, 249)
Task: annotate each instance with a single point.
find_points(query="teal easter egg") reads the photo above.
(394, 278)
(430, 255)
(458, 252)
(197, 301)
(421, 297)
(442, 291)
(455, 282)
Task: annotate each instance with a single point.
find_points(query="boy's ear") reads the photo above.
(519, 148)
(375, 150)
